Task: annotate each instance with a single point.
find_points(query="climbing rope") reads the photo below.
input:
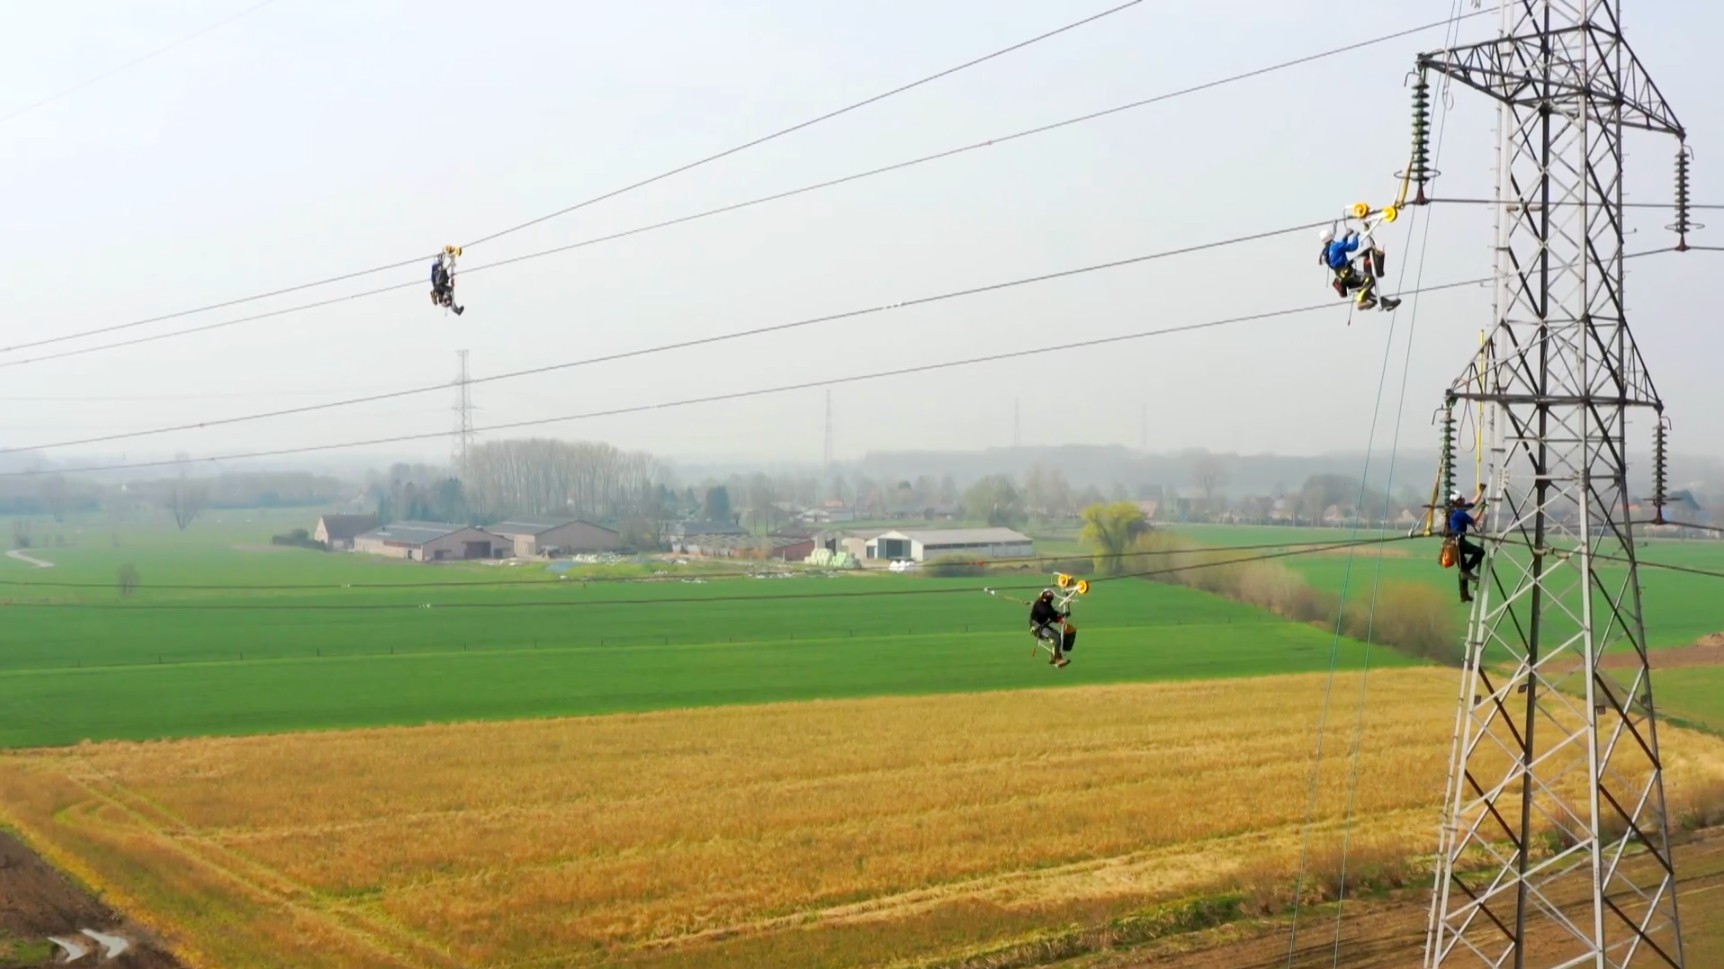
(1418, 169)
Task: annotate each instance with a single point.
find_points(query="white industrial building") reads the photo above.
(931, 544)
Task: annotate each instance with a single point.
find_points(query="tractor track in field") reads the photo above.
(1179, 868)
(19, 555)
(256, 880)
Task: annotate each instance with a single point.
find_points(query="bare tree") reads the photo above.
(129, 581)
(187, 499)
(1210, 477)
(184, 498)
(55, 496)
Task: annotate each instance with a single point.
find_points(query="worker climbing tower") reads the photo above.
(1555, 846)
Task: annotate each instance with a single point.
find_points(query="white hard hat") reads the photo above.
(1327, 235)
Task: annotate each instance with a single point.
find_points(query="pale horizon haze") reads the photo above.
(311, 138)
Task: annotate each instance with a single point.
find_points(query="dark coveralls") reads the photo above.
(440, 284)
(1043, 616)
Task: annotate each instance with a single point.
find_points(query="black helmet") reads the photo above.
(1047, 593)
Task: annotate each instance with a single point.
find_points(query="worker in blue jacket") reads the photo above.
(1460, 523)
(1338, 257)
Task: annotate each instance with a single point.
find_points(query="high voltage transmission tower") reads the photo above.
(1555, 847)
(463, 409)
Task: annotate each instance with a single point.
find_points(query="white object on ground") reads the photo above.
(112, 945)
(74, 949)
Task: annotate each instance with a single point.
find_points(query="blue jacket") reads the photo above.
(1459, 522)
(1340, 252)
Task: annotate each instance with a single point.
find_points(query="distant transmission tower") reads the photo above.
(1555, 834)
(1017, 439)
(463, 416)
(826, 459)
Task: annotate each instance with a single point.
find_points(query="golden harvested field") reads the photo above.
(865, 832)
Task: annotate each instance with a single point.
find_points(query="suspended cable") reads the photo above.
(631, 579)
(1335, 651)
(1636, 561)
(699, 341)
(741, 394)
(26, 109)
(592, 201)
(1559, 202)
(797, 127)
(1675, 524)
(1358, 740)
(761, 200)
(198, 605)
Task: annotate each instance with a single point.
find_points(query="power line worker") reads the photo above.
(443, 287)
(1470, 555)
(1338, 256)
(1043, 617)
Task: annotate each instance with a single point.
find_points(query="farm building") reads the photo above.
(692, 531)
(845, 542)
(431, 542)
(926, 546)
(568, 536)
(337, 532)
(786, 548)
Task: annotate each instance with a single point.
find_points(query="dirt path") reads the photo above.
(1708, 650)
(39, 903)
(27, 559)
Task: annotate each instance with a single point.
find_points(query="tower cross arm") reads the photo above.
(1591, 68)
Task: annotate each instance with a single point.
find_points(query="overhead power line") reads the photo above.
(1560, 203)
(195, 605)
(1020, 45)
(134, 62)
(668, 223)
(633, 579)
(743, 394)
(685, 344)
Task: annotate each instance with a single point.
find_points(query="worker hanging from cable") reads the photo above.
(1050, 624)
(443, 280)
(1050, 617)
(1357, 268)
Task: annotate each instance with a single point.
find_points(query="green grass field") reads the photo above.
(1693, 693)
(346, 640)
(84, 662)
(1680, 608)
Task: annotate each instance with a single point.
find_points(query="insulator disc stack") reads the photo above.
(1448, 459)
(1683, 224)
(1419, 170)
(1660, 470)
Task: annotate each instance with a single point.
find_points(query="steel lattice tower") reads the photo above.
(463, 409)
(1555, 846)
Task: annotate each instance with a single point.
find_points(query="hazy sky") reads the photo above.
(316, 137)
